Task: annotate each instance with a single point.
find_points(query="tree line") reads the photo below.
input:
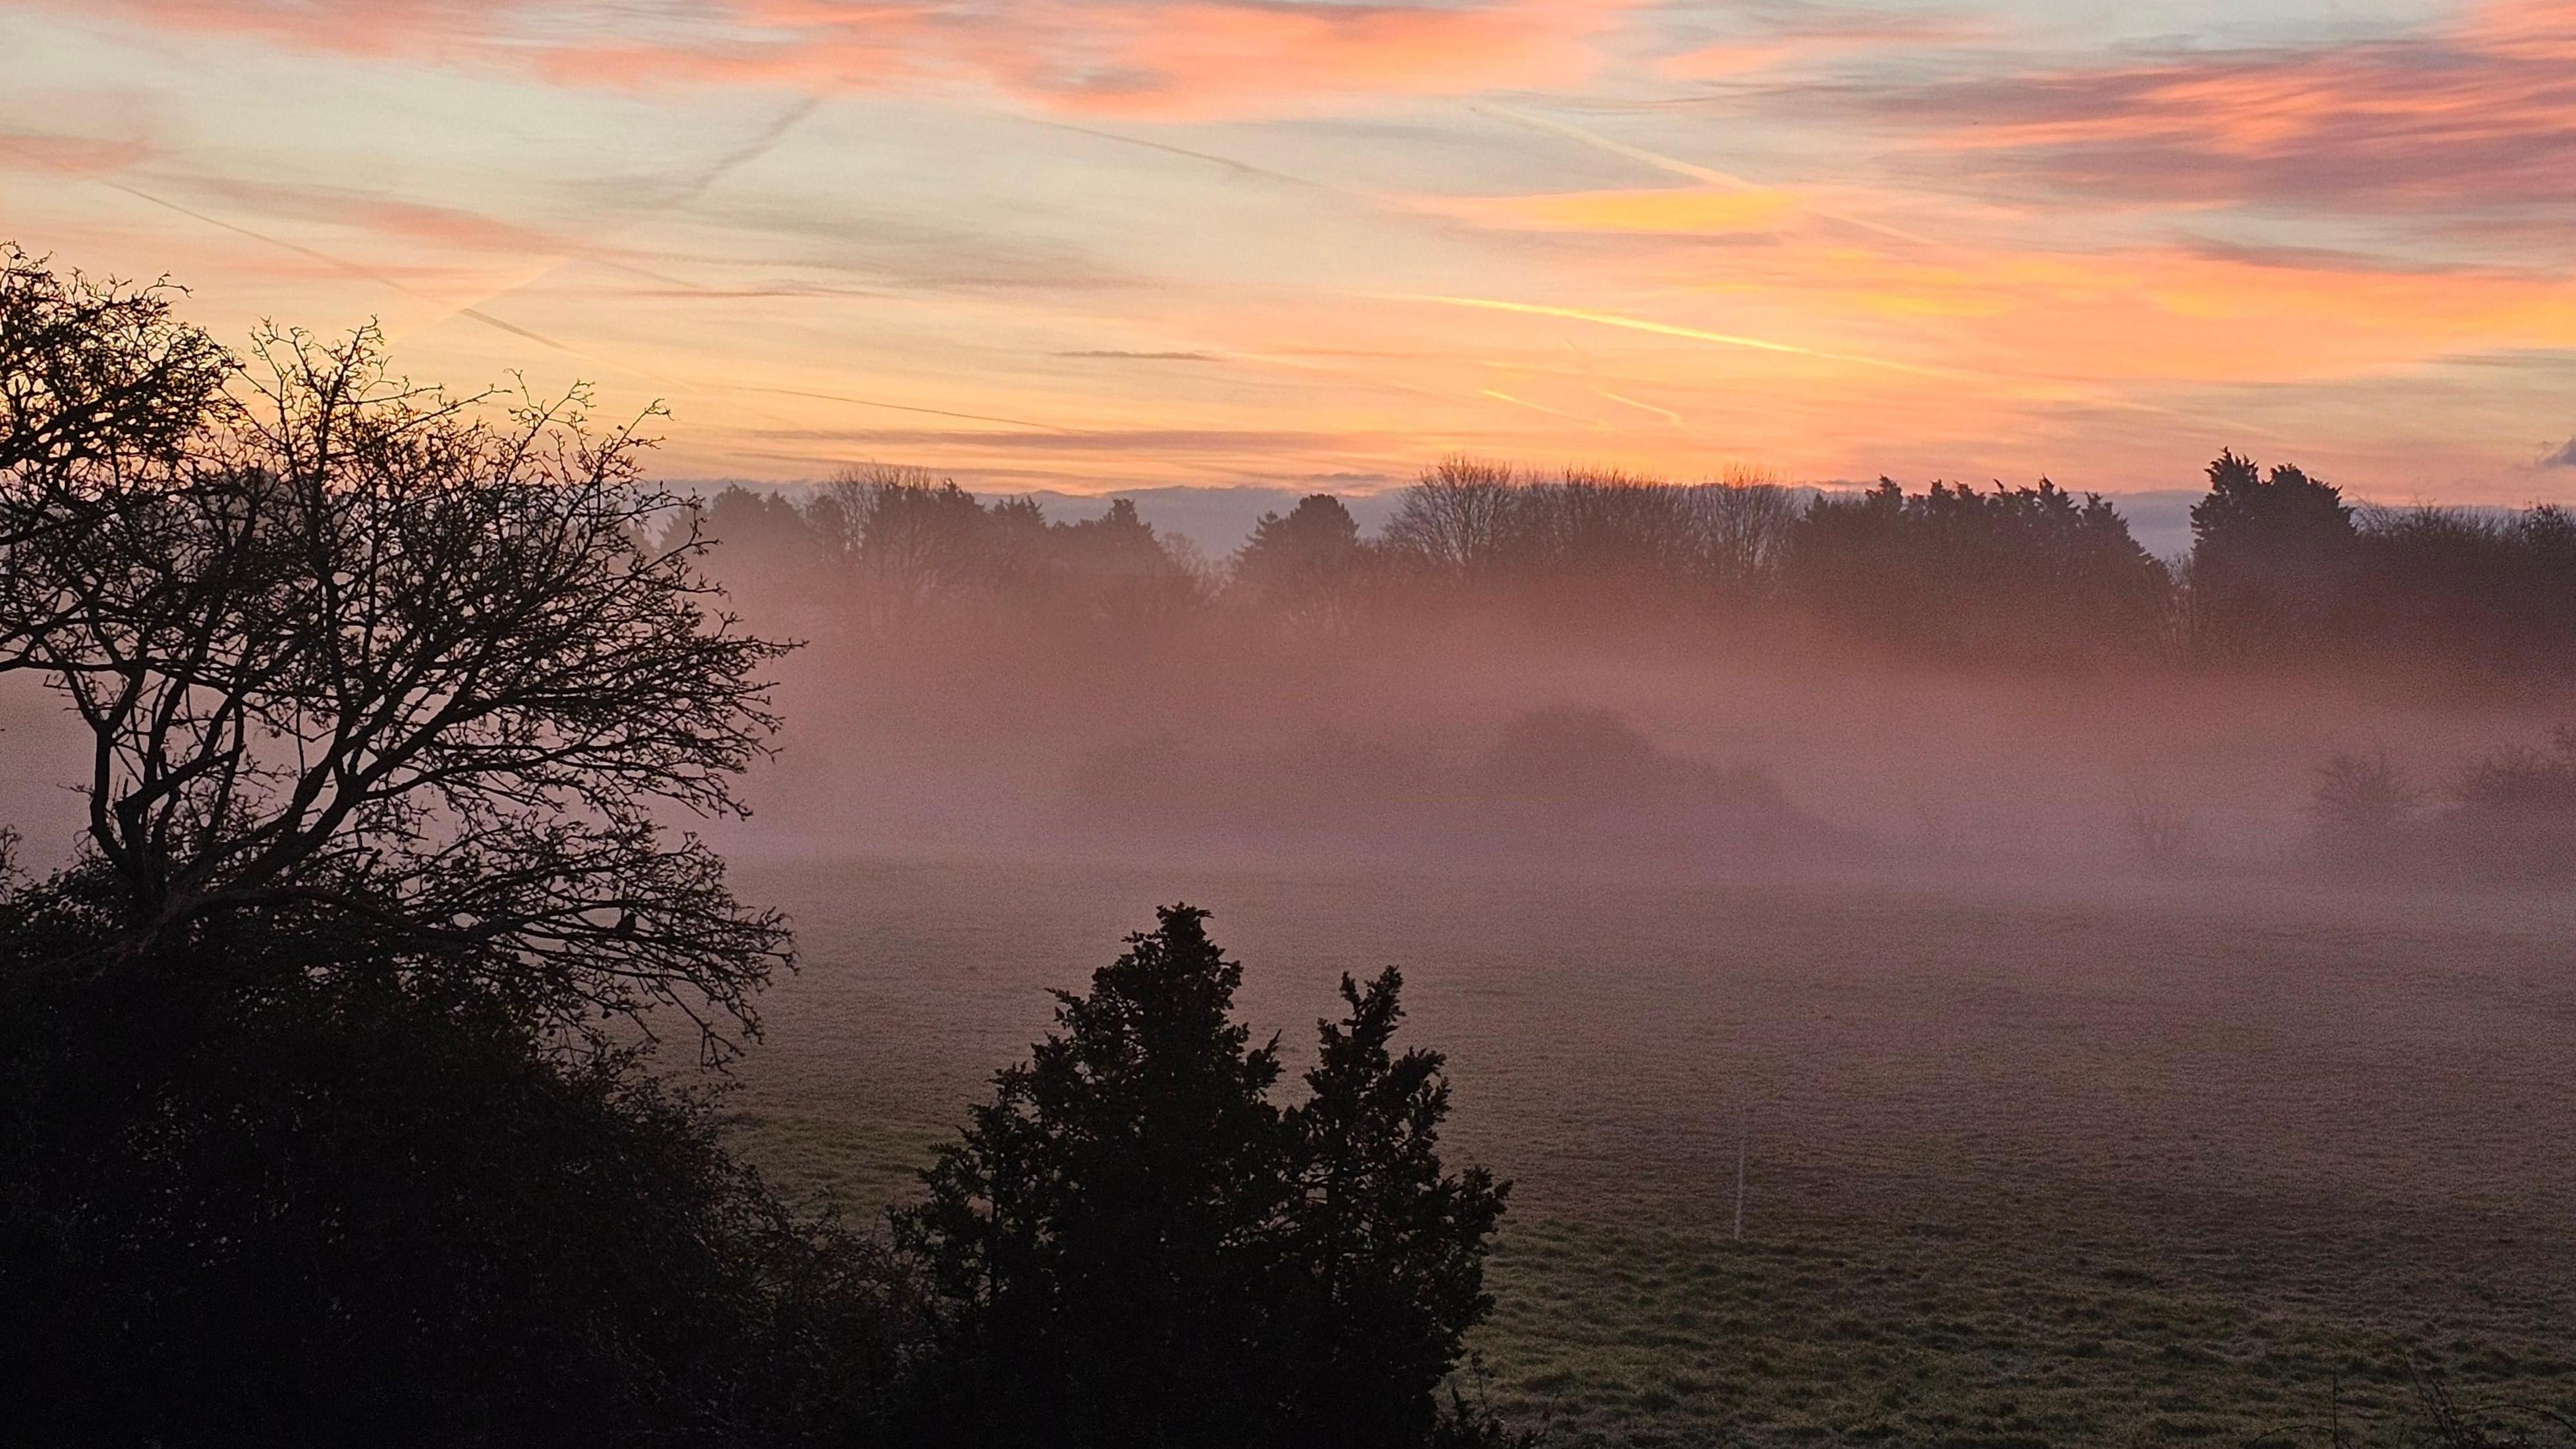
(2282, 569)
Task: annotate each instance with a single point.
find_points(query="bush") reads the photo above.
(274, 1184)
(2361, 799)
(1131, 1245)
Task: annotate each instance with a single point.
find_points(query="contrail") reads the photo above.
(1619, 148)
(1667, 329)
(1667, 414)
(476, 313)
(743, 155)
(895, 407)
(1519, 402)
(1679, 167)
(759, 145)
(1240, 168)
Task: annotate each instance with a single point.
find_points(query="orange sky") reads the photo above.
(1084, 245)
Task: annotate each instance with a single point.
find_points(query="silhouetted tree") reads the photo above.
(97, 378)
(1305, 567)
(2521, 781)
(312, 1124)
(278, 1184)
(1744, 525)
(1454, 524)
(1594, 538)
(2271, 559)
(1114, 569)
(910, 539)
(2024, 573)
(1132, 1246)
(353, 646)
(1389, 1246)
(2465, 590)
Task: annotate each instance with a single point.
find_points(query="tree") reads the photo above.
(97, 378)
(1115, 570)
(1454, 523)
(1391, 1245)
(2016, 573)
(311, 1127)
(2360, 804)
(1744, 524)
(1304, 566)
(1131, 1246)
(286, 1188)
(2270, 558)
(912, 538)
(357, 645)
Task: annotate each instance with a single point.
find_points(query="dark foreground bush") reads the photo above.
(1133, 1246)
(268, 1186)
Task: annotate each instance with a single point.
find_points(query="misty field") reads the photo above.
(2134, 1165)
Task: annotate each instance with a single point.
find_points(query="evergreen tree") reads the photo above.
(1131, 1246)
(1391, 1246)
(1306, 565)
(2271, 558)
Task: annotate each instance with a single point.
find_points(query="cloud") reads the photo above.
(72, 155)
(439, 226)
(2473, 114)
(2565, 457)
(1665, 211)
(1163, 59)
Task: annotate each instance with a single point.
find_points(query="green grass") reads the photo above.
(2065, 1168)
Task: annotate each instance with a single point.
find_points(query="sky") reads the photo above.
(1085, 245)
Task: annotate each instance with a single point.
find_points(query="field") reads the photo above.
(2136, 1164)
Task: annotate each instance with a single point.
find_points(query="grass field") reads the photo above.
(2131, 1165)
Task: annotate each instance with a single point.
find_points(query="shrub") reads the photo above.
(1131, 1245)
(272, 1185)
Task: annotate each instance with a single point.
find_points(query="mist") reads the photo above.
(1661, 713)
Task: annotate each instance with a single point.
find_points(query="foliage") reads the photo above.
(1131, 1245)
(2015, 573)
(2510, 815)
(311, 1125)
(1588, 535)
(271, 1182)
(347, 642)
(2283, 571)
(885, 547)
(2362, 798)
(2524, 782)
(1306, 566)
(2272, 556)
(2158, 831)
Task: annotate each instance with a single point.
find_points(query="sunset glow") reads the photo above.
(1083, 244)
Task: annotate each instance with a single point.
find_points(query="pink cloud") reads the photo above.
(72, 155)
(1164, 58)
(2474, 114)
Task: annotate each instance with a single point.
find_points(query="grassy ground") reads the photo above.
(2067, 1167)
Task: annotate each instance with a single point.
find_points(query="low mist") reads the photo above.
(1695, 679)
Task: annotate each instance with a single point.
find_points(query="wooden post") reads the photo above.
(1739, 1170)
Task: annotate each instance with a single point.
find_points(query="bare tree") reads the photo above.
(1743, 524)
(352, 646)
(95, 375)
(1455, 519)
(2362, 798)
(2158, 830)
(910, 536)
